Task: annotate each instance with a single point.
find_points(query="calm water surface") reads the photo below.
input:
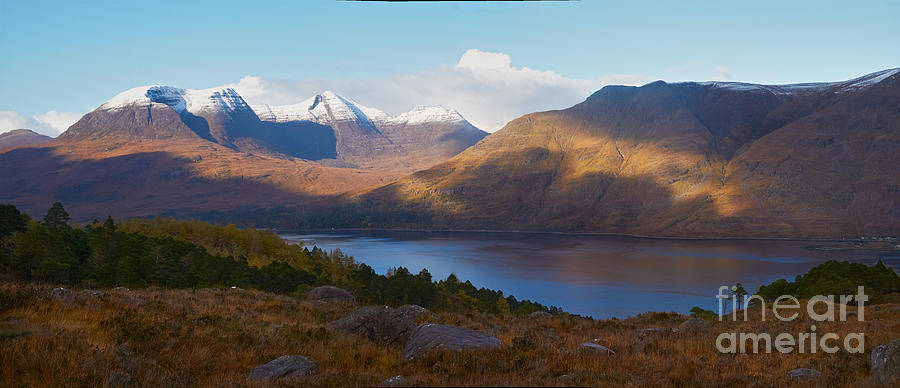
(600, 276)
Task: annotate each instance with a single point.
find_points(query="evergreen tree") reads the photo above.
(11, 220)
(57, 217)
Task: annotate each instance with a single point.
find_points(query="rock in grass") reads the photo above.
(593, 349)
(567, 379)
(396, 381)
(886, 363)
(803, 373)
(379, 324)
(93, 293)
(431, 337)
(414, 312)
(694, 326)
(329, 294)
(60, 292)
(283, 368)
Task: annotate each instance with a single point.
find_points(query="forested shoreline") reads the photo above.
(172, 253)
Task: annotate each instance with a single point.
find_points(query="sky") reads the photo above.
(491, 61)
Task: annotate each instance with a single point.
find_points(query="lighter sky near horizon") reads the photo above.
(491, 61)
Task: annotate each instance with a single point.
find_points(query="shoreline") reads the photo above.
(582, 234)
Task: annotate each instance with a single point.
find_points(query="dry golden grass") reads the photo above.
(158, 337)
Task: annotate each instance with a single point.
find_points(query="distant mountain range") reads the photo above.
(326, 126)
(166, 150)
(816, 160)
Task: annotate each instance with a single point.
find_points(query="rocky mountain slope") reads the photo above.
(679, 159)
(165, 150)
(21, 137)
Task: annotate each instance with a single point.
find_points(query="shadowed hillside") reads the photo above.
(686, 159)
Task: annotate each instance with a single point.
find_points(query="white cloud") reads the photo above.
(723, 73)
(483, 86)
(476, 59)
(51, 123)
(59, 121)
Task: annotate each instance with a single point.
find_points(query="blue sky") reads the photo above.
(70, 57)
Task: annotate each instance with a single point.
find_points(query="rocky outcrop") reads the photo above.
(886, 363)
(329, 294)
(283, 368)
(432, 337)
(379, 324)
(414, 312)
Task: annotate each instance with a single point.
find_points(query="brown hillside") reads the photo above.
(688, 159)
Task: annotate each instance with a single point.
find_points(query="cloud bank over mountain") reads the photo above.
(51, 123)
(483, 86)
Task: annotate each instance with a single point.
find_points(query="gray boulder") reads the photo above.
(803, 373)
(60, 292)
(329, 294)
(396, 381)
(414, 312)
(283, 368)
(886, 363)
(591, 348)
(694, 326)
(380, 324)
(431, 337)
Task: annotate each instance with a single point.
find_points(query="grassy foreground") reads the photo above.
(215, 337)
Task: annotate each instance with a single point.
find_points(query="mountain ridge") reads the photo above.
(160, 149)
(681, 159)
(21, 137)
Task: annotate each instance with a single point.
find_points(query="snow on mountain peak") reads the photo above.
(867, 80)
(181, 100)
(836, 87)
(328, 106)
(422, 114)
(321, 108)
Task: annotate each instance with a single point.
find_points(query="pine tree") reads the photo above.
(10, 220)
(57, 217)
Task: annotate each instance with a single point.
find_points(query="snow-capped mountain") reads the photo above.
(323, 127)
(158, 112)
(422, 114)
(364, 133)
(329, 107)
(192, 101)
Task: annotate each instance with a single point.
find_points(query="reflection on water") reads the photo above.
(601, 276)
